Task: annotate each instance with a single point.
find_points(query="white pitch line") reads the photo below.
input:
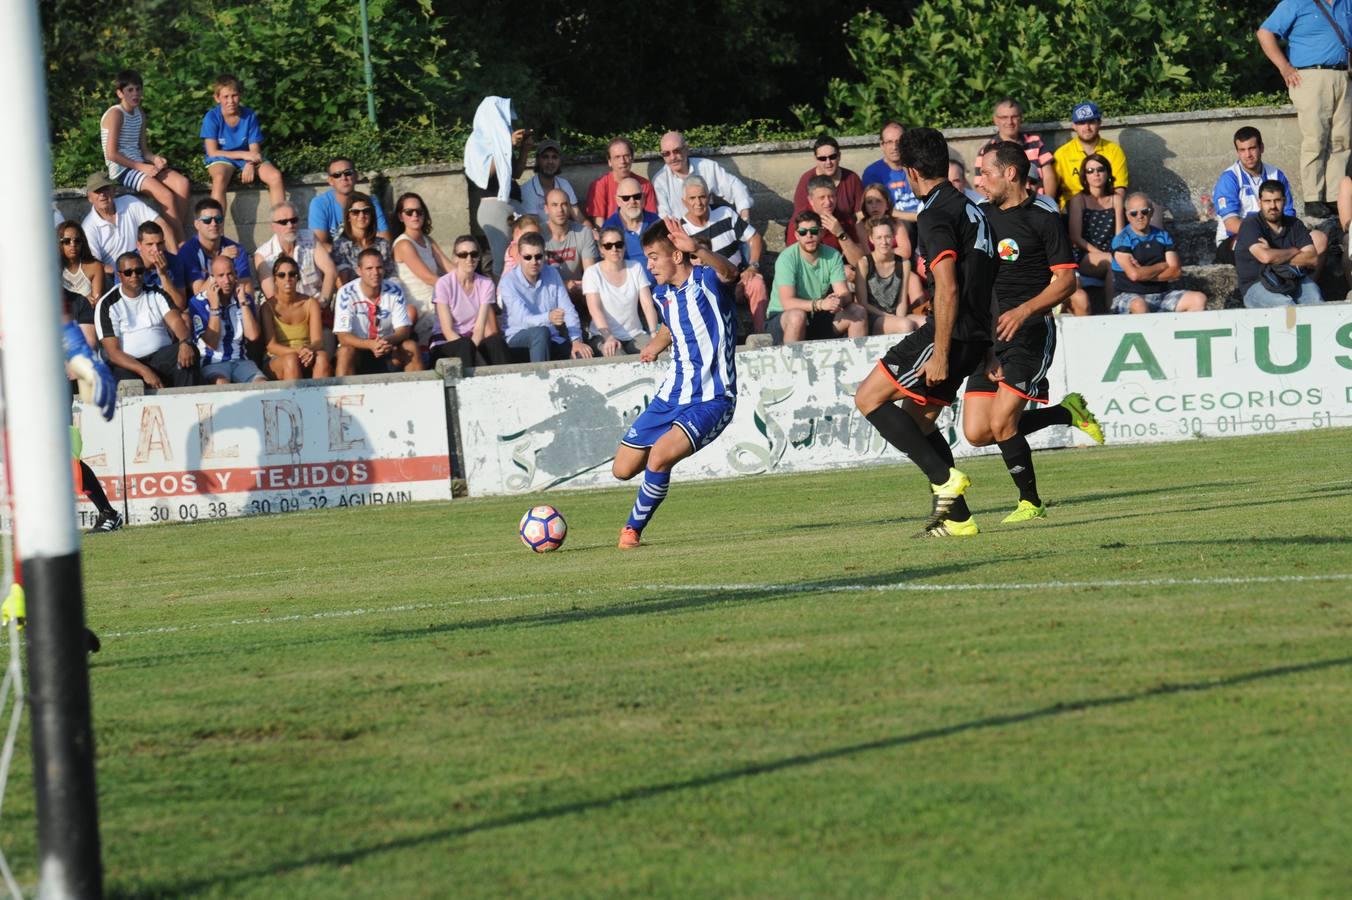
(1004, 586)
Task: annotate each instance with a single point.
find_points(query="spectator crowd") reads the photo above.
(549, 271)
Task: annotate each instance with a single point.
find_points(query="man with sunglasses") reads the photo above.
(632, 218)
(141, 334)
(541, 318)
(1146, 266)
(723, 187)
(849, 189)
(325, 216)
(318, 274)
(111, 223)
(601, 195)
(196, 254)
(810, 299)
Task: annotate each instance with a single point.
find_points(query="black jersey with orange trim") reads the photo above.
(1030, 243)
(951, 226)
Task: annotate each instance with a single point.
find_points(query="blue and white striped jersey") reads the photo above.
(700, 316)
(231, 346)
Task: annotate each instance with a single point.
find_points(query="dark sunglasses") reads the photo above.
(69, 241)
(533, 258)
(138, 272)
(668, 154)
(612, 245)
(802, 232)
(638, 196)
(344, 173)
(467, 254)
(828, 158)
(288, 274)
(412, 212)
(291, 221)
(360, 210)
(1137, 213)
(211, 220)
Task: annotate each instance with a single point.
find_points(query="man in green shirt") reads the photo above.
(810, 299)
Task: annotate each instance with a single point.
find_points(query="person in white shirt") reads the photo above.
(548, 164)
(669, 182)
(110, 227)
(140, 332)
(616, 290)
(371, 322)
(318, 274)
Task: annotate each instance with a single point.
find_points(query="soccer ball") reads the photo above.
(543, 529)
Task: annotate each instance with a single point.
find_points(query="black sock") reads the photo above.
(958, 512)
(93, 490)
(1038, 419)
(1019, 461)
(902, 432)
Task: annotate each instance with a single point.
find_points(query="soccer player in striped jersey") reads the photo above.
(696, 400)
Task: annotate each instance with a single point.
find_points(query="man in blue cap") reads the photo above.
(1086, 120)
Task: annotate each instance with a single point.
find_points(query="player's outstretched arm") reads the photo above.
(727, 272)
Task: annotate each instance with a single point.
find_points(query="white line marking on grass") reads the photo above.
(1003, 586)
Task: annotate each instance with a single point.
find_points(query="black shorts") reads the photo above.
(1026, 360)
(820, 326)
(903, 364)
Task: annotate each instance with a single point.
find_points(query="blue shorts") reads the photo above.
(132, 179)
(701, 421)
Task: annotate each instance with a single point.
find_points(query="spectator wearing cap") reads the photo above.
(602, 195)
(723, 187)
(1085, 121)
(1318, 39)
(1008, 118)
(849, 192)
(111, 224)
(889, 173)
(548, 164)
(1146, 266)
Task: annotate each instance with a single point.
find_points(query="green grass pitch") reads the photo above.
(783, 695)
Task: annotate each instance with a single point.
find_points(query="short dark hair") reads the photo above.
(819, 182)
(207, 203)
(128, 77)
(225, 79)
(807, 215)
(531, 239)
(825, 141)
(1248, 133)
(1271, 186)
(146, 228)
(334, 159)
(370, 251)
(1007, 101)
(656, 233)
(129, 255)
(1005, 154)
(926, 151)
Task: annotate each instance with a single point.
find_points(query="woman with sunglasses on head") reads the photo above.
(359, 232)
(466, 312)
(616, 289)
(81, 274)
(419, 262)
(1095, 216)
(293, 328)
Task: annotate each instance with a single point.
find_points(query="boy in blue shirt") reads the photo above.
(234, 143)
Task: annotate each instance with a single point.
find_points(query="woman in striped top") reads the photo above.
(130, 162)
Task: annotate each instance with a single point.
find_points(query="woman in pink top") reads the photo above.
(466, 313)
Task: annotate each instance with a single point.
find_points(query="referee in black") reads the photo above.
(927, 367)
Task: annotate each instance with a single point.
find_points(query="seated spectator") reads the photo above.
(882, 284)
(616, 290)
(810, 298)
(293, 326)
(1236, 193)
(467, 312)
(849, 190)
(878, 204)
(526, 224)
(161, 265)
(726, 232)
(669, 182)
(122, 130)
(1096, 215)
(632, 219)
(1145, 265)
(419, 261)
(889, 173)
(223, 322)
(1085, 121)
(81, 274)
(371, 322)
(495, 157)
(1275, 253)
(548, 163)
(318, 274)
(957, 176)
(359, 234)
(141, 334)
(233, 141)
(540, 317)
(111, 223)
(196, 254)
(602, 202)
(838, 233)
(570, 248)
(1008, 118)
(326, 215)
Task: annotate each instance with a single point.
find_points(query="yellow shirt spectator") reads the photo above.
(1070, 155)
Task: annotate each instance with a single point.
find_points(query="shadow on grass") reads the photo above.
(751, 770)
(1174, 489)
